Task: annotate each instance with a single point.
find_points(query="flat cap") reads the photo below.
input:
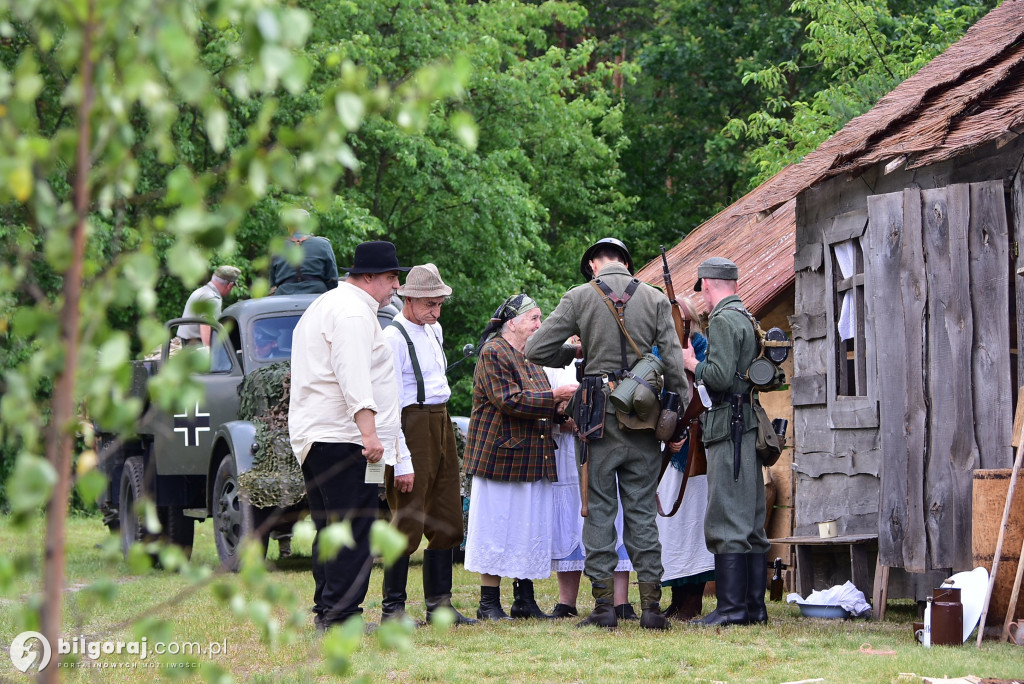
(717, 268)
(228, 273)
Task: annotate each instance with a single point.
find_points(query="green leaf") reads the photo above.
(139, 560)
(91, 485)
(350, 109)
(303, 533)
(387, 542)
(31, 483)
(114, 352)
(465, 129)
(217, 128)
(333, 537)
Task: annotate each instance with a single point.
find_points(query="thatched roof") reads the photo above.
(970, 95)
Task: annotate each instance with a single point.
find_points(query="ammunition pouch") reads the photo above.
(588, 408)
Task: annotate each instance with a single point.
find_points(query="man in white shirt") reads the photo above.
(433, 506)
(206, 301)
(343, 416)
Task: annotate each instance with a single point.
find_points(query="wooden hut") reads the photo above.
(908, 303)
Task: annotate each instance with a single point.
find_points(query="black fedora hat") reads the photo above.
(378, 256)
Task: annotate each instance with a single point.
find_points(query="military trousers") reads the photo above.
(623, 462)
(734, 522)
(434, 506)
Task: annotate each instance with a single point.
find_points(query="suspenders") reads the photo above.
(421, 393)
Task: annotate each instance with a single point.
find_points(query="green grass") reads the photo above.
(789, 648)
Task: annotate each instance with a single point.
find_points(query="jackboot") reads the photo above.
(650, 606)
(524, 605)
(437, 584)
(624, 611)
(604, 611)
(490, 604)
(687, 602)
(395, 579)
(731, 591)
(757, 584)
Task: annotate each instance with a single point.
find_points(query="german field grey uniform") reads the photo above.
(734, 524)
(623, 460)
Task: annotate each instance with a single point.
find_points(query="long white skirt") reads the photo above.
(509, 532)
(683, 549)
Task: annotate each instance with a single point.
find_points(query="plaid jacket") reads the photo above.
(513, 410)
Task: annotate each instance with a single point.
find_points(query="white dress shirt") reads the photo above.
(341, 364)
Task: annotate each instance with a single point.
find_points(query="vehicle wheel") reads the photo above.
(133, 490)
(234, 519)
(179, 529)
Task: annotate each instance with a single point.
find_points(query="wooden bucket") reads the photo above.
(990, 487)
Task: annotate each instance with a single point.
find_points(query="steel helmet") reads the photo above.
(604, 242)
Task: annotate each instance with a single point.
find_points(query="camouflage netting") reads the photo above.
(275, 478)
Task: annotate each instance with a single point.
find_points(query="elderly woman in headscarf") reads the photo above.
(511, 455)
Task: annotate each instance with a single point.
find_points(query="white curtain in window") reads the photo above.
(846, 255)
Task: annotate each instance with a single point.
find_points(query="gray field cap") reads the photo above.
(717, 268)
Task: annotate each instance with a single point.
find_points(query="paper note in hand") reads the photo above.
(375, 473)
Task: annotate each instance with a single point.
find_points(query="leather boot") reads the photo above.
(730, 589)
(650, 606)
(437, 584)
(624, 611)
(564, 610)
(524, 605)
(604, 611)
(757, 584)
(687, 602)
(490, 605)
(395, 578)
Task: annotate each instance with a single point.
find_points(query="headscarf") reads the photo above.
(516, 305)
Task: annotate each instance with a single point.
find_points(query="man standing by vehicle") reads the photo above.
(734, 524)
(344, 417)
(307, 265)
(624, 461)
(206, 302)
(431, 505)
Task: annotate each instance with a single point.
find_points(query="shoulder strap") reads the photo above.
(421, 393)
(617, 305)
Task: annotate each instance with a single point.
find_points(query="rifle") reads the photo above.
(689, 422)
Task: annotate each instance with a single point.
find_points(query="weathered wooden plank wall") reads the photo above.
(952, 451)
(1017, 203)
(989, 249)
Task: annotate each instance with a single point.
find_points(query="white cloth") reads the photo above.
(428, 340)
(847, 596)
(341, 364)
(509, 529)
(845, 255)
(206, 293)
(683, 549)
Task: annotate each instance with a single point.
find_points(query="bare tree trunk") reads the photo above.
(59, 438)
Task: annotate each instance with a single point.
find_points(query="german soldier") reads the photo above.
(734, 525)
(626, 456)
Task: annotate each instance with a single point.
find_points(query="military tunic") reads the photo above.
(736, 508)
(623, 461)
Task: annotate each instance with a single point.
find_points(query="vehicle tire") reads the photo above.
(234, 519)
(179, 529)
(133, 489)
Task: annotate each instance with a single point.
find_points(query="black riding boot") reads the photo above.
(731, 590)
(490, 604)
(624, 611)
(650, 606)
(524, 605)
(437, 584)
(395, 578)
(604, 611)
(757, 581)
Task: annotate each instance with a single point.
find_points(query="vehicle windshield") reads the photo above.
(272, 337)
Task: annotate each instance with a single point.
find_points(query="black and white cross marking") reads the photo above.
(200, 422)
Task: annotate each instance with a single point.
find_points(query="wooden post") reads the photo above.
(999, 539)
(1011, 609)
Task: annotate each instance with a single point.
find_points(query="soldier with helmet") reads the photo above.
(624, 326)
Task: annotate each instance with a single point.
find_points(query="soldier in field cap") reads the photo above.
(734, 524)
(430, 504)
(206, 302)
